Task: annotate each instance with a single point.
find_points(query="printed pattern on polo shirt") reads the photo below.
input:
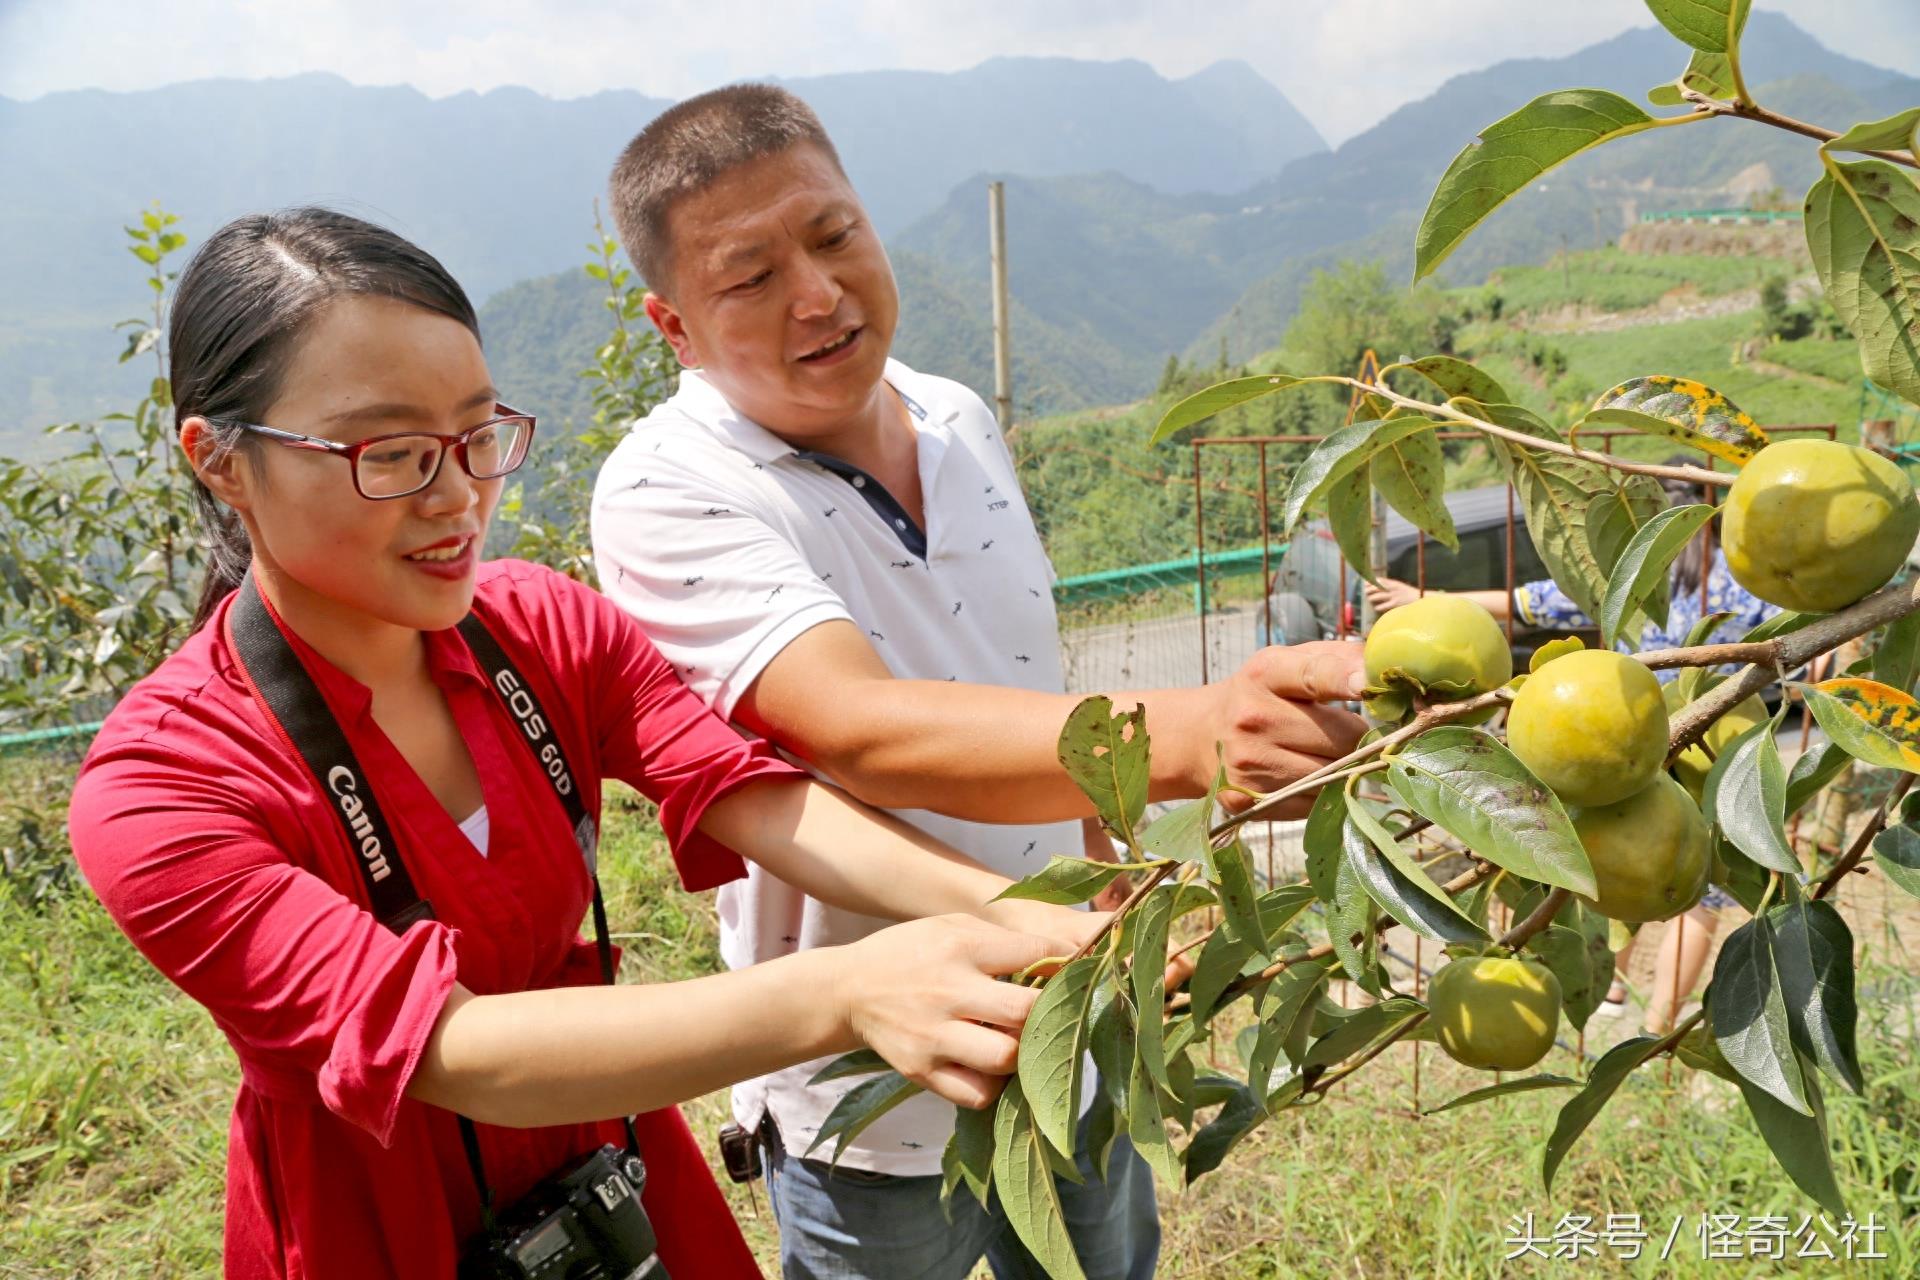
(728, 543)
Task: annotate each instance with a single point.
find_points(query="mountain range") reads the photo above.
(1147, 215)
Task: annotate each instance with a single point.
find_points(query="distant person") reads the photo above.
(833, 550)
(353, 815)
(1542, 604)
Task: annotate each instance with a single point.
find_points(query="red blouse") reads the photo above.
(216, 851)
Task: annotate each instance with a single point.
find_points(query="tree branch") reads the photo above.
(1862, 842)
(1692, 475)
(1761, 115)
(1777, 656)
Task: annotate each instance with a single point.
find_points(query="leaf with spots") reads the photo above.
(1350, 517)
(1411, 474)
(1338, 456)
(1455, 377)
(1872, 722)
(1556, 492)
(1105, 753)
(1687, 412)
(1863, 226)
(1510, 155)
(1222, 396)
(1471, 786)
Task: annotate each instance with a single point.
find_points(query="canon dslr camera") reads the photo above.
(584, 1225)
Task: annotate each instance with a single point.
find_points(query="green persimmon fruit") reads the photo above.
(1650, 853)
(1694, 764)
(1441, 648)
(1591, 725)
(1814, 525)
(1495, 1014)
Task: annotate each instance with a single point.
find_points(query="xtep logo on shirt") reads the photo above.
(344, 785)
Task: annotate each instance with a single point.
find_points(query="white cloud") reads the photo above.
(1344, 63)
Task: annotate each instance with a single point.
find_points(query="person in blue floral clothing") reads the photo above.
(1683, 948)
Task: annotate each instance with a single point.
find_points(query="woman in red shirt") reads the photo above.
(208, 837)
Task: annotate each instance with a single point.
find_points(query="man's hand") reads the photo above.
(1271, 725)
(1390, 594)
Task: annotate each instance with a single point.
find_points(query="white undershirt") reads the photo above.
(476, 828)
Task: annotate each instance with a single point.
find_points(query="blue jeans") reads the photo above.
(855, 1225)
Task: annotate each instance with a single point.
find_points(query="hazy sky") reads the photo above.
(1345, 63)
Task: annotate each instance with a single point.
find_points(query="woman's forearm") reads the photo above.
(573, 1054)
(833, 848)
(1498, 603)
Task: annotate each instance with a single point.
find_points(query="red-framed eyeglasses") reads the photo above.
(393, 466)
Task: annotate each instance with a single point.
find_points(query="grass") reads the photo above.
(115, 1090)
(1610, 280)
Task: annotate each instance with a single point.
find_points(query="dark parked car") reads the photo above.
(1305, 591)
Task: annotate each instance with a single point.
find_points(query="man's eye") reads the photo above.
(838, 238)
(752, 282)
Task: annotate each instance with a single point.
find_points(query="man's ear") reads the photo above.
(223, 471)
(668, 322)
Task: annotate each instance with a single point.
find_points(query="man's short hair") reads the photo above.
(691, 145)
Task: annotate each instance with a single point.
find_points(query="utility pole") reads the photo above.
(1002, 365)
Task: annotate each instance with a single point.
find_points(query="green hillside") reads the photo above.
(1560, 334)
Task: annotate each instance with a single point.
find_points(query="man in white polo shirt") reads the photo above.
(834, 552)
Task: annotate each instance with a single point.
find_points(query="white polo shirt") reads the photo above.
(726, 543)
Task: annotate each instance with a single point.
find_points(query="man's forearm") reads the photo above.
(991, 753)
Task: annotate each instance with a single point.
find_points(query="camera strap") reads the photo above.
(282, 684)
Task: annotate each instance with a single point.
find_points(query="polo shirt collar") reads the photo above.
(700, 400)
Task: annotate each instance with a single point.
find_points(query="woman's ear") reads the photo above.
(221, 469)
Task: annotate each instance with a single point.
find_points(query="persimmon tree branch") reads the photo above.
(1692, 475)
(1862, 842)
(1773, 658)
(1761, 115)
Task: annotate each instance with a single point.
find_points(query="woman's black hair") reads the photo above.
(239, 311)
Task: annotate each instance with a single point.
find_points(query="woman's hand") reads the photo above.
(1390, 594)
(1066, 928)
(925, 996)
